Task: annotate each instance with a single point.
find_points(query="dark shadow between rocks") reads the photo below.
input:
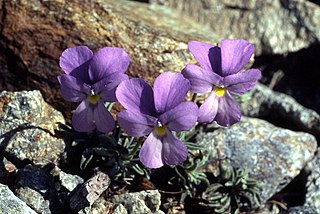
(70, 156)
(294, 194)
(317, 2)
(39, 180)
(301, 74)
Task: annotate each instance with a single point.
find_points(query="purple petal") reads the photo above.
(81, 72)
(102, 118)
(181, 117)
(201, 80)
(242, 82)
(72, 58)
(208, 56)
(235, 55)
(173, 150)
(106, 87)
(82, 118)
(107, 61)
(169, 90)
(208, 109)
(150, 152)
(136, 95)
(136, 124)
(228, 111)
(72, 89)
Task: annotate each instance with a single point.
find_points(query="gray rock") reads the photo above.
(313, 183)
(9, 203)
(143, 202)
(272, 155)
(302, 210)
(87, 193)
(27, 127)
(36, 187)
(274, 26)
(265, 103)
(103, 206)
(34, 199)
(70, 181)
(266, 209)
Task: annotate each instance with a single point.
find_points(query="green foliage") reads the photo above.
(114, 154)
(189, 171)
(117, 155)
(233, 191)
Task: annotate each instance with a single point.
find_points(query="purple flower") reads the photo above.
(220, 74)
(92, 80)
(157, 113)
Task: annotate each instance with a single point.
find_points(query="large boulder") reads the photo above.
(273, 156)
(34, 34)
(276, 27)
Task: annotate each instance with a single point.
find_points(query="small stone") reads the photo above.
(69, 181)
(272, 155)
(9, 203)
(34, 199)
(106, 207)
(143, 202)
(86, 194)
(6, 167)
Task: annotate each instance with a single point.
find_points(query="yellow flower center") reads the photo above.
(160, 130)
(219, 91)
(93, 99)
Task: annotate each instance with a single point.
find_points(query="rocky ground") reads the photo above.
(276, 140)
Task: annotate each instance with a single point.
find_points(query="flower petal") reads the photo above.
(106, 87)
(82, 118)
(208, 109)
(201, 80)
(173, 150)
(72, 58)
(136, 124)
(81, 72)
(207, 55)
(102, 118)
(242, 82)
(72, 89)
(228, 111)
(235, 55)
(150, 152)
(169, 90)
(107, 61)
(136, 95)
(181, 117)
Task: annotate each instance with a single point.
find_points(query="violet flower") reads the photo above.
(220, 74)
(157, 113)
(92, 80)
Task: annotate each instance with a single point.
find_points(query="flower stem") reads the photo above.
(136, 147)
